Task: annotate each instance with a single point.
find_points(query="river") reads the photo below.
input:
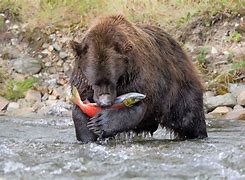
(47, 149)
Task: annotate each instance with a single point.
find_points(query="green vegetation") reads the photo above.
(1, 22)
(201, 57)
(14, 89)
(43, 13)
(238, 65)
(235, 36)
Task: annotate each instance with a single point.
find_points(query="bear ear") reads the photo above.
(128, 47)
(124, 47)
(79, 48)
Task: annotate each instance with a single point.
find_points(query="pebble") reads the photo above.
(56, 47)
(63, 55)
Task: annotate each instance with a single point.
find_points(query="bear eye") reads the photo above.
(117, 48)
(126, 60)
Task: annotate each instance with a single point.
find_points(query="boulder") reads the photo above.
(3, 103)
(221, 100)
(241, 98)
(33, 96)
(236, 89)
(13, 106)
(237, 114)
(27, 65)
(220, 111)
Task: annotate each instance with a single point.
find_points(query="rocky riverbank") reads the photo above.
(217, 49)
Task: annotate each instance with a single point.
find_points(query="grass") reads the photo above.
(201, 57)
(235, 37)
(14, 89)
(42, 13)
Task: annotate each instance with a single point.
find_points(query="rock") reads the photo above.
(23, 112)
(208, 94)
(13, 106)
(3, 103)
(59, 108)
(52, 37)
(236, 89)
(24, 103)
(2, 113)
(58, 92)
(48, 64)
(241, 98)
(27, 65)
(237, 114)
(51, 102)
(52, 97)
(50, 48)
(237, 107)
(63, 55)
(38, 105)
(220, 111)
(221, 100)
(33, 96)
(214, 50)
(45, 97)
(66, 67)
(56, 47)
(60, 63)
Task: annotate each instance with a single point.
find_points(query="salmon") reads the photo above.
(91, 109)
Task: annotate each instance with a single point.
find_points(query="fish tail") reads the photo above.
(75, 97)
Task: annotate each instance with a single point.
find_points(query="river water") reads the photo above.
(47, 149)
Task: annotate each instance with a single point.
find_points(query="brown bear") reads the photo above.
(115, 57)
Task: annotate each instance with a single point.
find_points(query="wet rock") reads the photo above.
(27, 65)
(241, 98)
(220, 111)
(23, 112)
(59, 108)
(13, 106)
(63, 55)
(221, 100)
(3, 103)
(237, 114)
(236, 89)
(33, 96)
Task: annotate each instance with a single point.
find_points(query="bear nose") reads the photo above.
(105, 100)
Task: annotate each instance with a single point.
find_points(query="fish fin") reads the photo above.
(75, 98)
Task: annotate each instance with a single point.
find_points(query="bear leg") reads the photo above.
(110, 121)
(80, 121)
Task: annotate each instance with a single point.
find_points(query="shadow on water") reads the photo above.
(47, 149)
